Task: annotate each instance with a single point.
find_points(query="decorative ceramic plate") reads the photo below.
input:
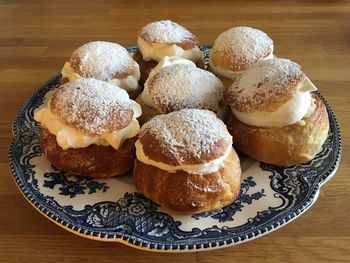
(112, 209)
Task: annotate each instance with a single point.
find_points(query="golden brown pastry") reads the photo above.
(236, 49)
(185, 162)
(274, 117)
(89, 128)
(105, 61)
(177, 84)
(165, 38)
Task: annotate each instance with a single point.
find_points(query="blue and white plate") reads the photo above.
(112, 209)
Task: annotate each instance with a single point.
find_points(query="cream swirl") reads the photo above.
(69, 137)
(229, 73)
(199, 169)
(165, 62)
(289, 113)
(157, 51)
(128, 83)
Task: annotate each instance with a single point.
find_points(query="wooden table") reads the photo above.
(36, 39)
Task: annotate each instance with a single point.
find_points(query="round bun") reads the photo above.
(103, 60)
(92, 107)
(265, 86)
(293, 144)
(182, 86)
(184, 138)
(238, 48)
(168, 32)
(189, 136)
(93, 161)
(190, 193)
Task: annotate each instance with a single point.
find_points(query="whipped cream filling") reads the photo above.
(165, 62)
(129, 83)
(156, 51)
(198, 169)
(229, 73)
(289, 113)
(69, 137)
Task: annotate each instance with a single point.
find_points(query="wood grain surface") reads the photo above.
(36, 37)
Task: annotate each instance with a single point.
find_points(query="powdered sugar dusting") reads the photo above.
(165, 31)
(264, 80)
(183, 86)
(243, 45)
(187, 134)
(92, 106)
(102, 60)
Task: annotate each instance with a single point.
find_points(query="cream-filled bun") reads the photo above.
(236, 49)
(176, 84)
(185, 162)
(165, 38)
(89, 128)
(274, 117)
(105, 61)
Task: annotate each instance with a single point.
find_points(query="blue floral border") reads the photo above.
(283, 181)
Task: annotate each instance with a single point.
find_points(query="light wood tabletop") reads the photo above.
(35, 40)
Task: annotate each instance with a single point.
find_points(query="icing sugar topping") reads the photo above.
(92, 106)
(103, 60)
(181, 86)
(268, 80)
(166, 31)
(189, 134)
(243, 45)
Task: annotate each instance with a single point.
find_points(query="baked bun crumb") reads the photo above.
(93, 161)
(190, 193)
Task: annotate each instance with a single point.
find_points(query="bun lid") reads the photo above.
(103, 60)
(188, 136)
(168, 32)
(265, 86)
(181, 86)
(91, 106)
(238, 48)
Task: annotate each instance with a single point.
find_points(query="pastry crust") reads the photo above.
(190, 193)
(293, 144)
(93, 161)
(64, 80)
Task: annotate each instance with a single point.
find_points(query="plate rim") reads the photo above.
(138, 243)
